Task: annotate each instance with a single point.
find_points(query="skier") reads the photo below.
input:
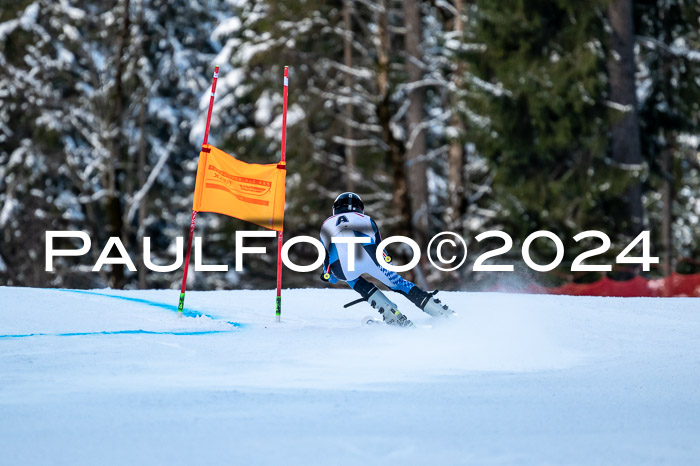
(349, 220)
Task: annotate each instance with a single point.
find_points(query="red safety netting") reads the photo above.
(675, 285)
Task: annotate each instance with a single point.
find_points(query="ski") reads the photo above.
(371, 321)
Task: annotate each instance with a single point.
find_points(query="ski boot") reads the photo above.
(387, 309)
(428, 304)
(380, 302)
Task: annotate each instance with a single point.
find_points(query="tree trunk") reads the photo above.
(395, 152)
(347, 56)
(142, 182)
(114, 202)
(667, 222)
(142, 158)
(456, 158)
(626, 146)
(668, 191)
(415, 143)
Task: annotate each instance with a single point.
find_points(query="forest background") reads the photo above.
(460, 115)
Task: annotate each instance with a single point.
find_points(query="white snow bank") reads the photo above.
(515, 379)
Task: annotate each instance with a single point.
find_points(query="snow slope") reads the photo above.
(111, 377)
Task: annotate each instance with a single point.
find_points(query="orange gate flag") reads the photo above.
(248, 191)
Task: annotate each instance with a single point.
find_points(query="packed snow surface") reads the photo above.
(115, 377)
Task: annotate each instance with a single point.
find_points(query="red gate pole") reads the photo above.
(278, 302)
(181, 305)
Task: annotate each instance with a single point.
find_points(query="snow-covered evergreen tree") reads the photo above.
(459, 115)
(97, 104)
(370, 110)
(668, 36)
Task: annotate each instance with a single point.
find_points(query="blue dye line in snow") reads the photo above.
(115, 332)
(169, 307)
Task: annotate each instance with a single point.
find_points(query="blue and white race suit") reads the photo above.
(353, 224)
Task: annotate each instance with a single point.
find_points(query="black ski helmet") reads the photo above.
(348, 202)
